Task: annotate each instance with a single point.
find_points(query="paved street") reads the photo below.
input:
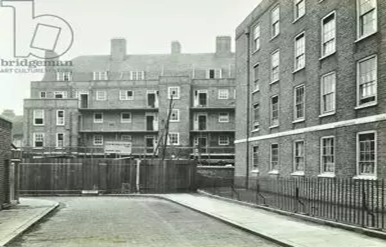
(104, 221)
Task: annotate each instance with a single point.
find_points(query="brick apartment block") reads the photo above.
(124, 97)
(5, 159)
(311, 90)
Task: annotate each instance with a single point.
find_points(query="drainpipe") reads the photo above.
(247, 34)
(137, 175)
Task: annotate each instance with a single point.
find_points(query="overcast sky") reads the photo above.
(148, 26)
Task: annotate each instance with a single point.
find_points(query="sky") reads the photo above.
(149, 26)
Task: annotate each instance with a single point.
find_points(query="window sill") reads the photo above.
(274, 37)
(365, 177)
(39, 148)
(255, 171)
(274, 126)
(255, 91)
(274, 172)
(38, 124)
(300, 17)
(130, 122)
(366, 105)
(299, 69)
(256, 130)
(327, 175)
(273, 82)
(298, 173)
(327, 114)
(326, 56)
(255, 51)
(298, 121)
(364, 37)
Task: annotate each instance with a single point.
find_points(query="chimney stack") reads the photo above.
(176, 47)
(223, 45)
(118, 49)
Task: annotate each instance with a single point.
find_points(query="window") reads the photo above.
(223, 140)
(366, 154)
(98, 117)
(328, 93)
(256, 38)
(60, 120)
(126, 138)
(367, 17)
(299, 153)
(175, 115)
(223, 117)
(275, 111)
(126, 95)
(38, 139)
(300, 8)
(137, 75)
(274, 157)
(43, 95)
(174, 92)
(214, 74)
(98, 140)
(328, 35)
(223, 94)
(275, 22)
(255, 162)
(299, 102)
(101, 95)
(59, 140)
(126, 117)
(60, 95)
(256, 116)
(256, 78)
(38, 117)
(275, 66)
(100, 76)
(367, 81)
(174, 139)
(300, 51)
(327, 154)
(63, 76)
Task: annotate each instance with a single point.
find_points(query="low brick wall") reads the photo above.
(224, 176)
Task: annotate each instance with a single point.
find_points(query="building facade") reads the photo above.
(5, 162)
(311, 90)
(127, 98)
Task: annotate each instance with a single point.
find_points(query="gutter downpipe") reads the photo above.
(247, 34)
(137, 182)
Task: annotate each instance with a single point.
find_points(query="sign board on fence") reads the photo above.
(118, 147)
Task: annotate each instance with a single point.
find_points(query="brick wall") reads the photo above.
(5, 154)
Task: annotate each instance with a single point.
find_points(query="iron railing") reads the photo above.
(350, 201)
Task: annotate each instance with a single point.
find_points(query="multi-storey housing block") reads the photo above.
(311, 90)
(126, 97)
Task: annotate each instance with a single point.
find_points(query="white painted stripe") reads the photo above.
(346, 123)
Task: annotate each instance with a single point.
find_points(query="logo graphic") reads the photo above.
(43, 36)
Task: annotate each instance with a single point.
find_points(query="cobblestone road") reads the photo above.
(114, 221)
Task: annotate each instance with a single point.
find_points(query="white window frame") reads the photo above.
(371, 103)
(223, 94)
(123, 95)
(273, 124)
(63, 93)
(63, 76)
(256, 38)
(125, 120)
(177, 135)
(35, 139)
(97, 120)
(217, 73)
(35, 112)
(126, 138)
(322, 94)
(223, 142)
(359, 36)
(302, 53)
(99, 143)
(296, 9)
(323, 171)
(274, 22)
(137, 75)
(271, 166)
(60, 121)
(294, 156)
(256, 78)
(223, 117)
(323, 52)
(57, 141)
(100, 76)
(41, 94)
(177, 113)
(101, 95)
(275, 66)
(255, 157)
(177, 90)
(256, 117)
(296, 117)
(359, 174)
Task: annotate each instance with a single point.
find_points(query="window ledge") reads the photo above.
(255, 91)
(299, 121)
(298, 173)
(274, 37)
(255, 51)
(256, 130)
(274, 126)
(365, 36)
(366, 105)
(255, 171)
(326, 56)
(273, 82)
(299, 69)
(300, 17)
(327, 175)
(365, 177)
(327, 114)
(274, 172)
(40, 148)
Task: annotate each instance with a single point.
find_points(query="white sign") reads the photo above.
(118, 147)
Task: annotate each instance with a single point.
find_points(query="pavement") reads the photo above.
(169, 223)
